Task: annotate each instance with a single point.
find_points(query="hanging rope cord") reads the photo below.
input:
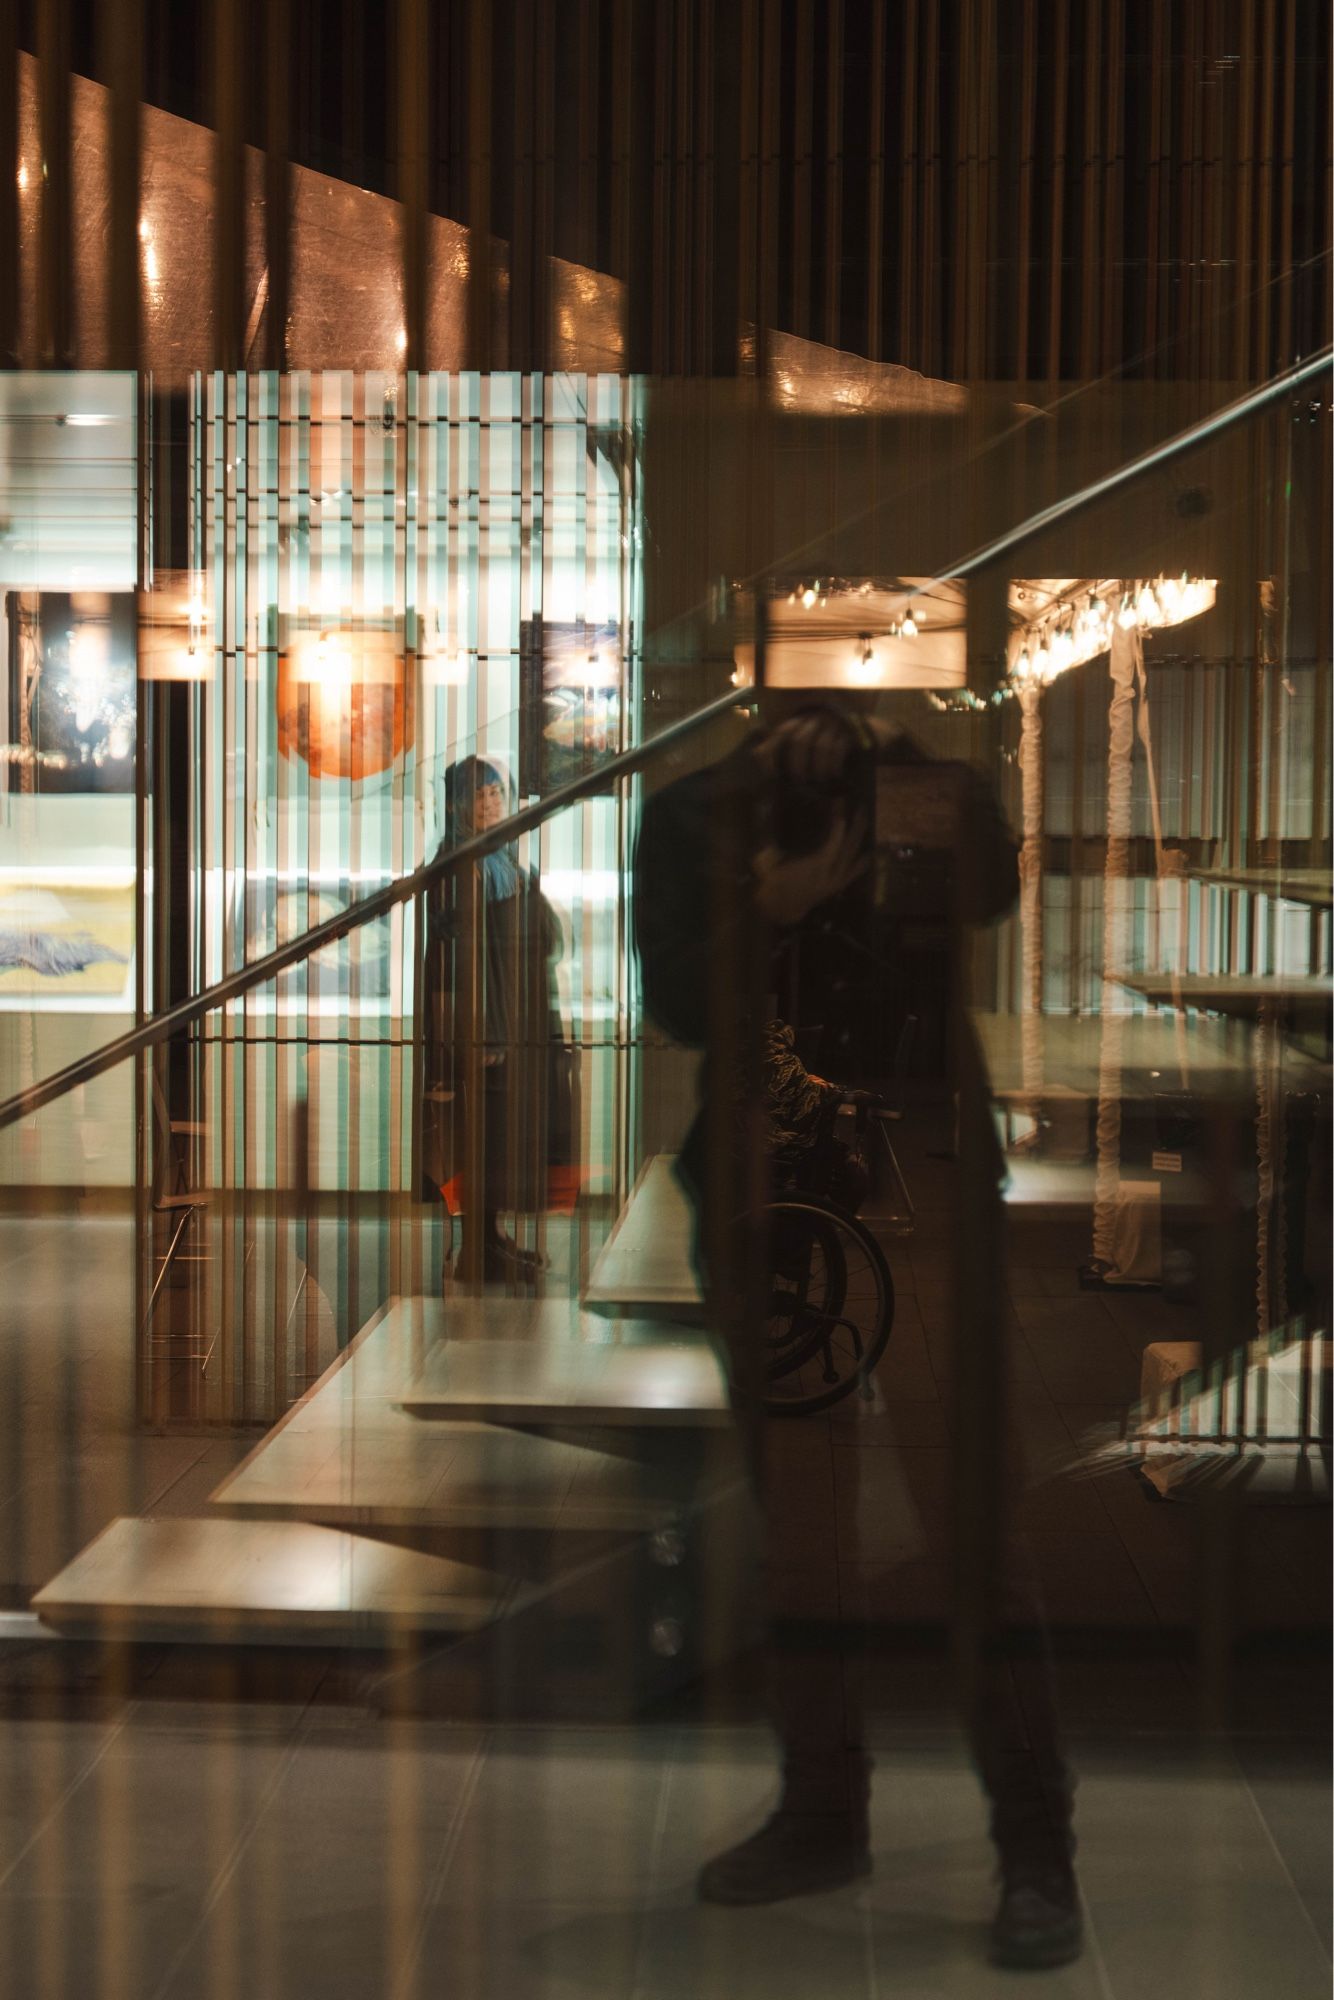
(1128, 718)
(1163, 872)
(1126, 646)
(1266, 1046)
(1032, 1052)
(1130, 698)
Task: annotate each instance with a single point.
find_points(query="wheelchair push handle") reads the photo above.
(856, 1109)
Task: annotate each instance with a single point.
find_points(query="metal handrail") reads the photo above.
(366, 911)
(1157, 455)
(163, 1026)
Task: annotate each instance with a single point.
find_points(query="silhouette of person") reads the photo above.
(827, 812)
(526, 1109)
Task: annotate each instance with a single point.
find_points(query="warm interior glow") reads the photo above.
(332, 658)
(1064, 622)
(856, 632)
(175, 636)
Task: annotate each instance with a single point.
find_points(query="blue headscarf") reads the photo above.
(463, 781)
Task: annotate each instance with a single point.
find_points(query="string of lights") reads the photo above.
(1077, 628)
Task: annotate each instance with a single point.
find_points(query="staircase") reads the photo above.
(464, 1465)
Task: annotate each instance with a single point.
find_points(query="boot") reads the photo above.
(1037, 1924)
(792, 1854)
(819, 1837)
(504, 1262)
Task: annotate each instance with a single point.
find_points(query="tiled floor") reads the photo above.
(171, 1847)
(176, 1850)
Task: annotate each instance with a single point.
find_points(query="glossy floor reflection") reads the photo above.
(175, 1849)
(287, 1839)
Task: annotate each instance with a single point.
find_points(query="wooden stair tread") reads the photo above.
(280, 1581)
(348, 1454)
(452, 1475)
(660, 1383)
(647, 1262)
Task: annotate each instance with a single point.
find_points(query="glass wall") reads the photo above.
(405, 572)
(666, 953)
(70, 958)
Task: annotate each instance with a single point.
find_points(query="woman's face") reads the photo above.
(488, 807)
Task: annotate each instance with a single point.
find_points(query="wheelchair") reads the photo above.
(829, 1307)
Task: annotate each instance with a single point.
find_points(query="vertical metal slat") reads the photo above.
(833, 172)
(55, 338)
(875, 206)
(229, 190)
(1056, 237)
(413, 73)
(123, 28)
(9, 191)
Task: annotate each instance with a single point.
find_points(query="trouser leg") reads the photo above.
(813, 1704)
(1015, 1729)
(816, 1713)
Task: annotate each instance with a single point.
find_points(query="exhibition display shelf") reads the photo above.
(1311, 887)
(1154, 1048)
(1252, 1424)
(1303, 1003)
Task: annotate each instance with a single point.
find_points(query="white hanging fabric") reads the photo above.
(1163, 872)
(1270, 1290)
(1030, 901)
(1126, 661)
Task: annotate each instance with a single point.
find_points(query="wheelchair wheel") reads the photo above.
(830, 1307)
(807, 1285)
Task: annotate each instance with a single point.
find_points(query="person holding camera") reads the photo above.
(818, 824)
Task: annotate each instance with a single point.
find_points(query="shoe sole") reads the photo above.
(737, 1899)
(1038, 1958)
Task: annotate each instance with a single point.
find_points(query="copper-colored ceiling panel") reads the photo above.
(822, 381)
(346, 306)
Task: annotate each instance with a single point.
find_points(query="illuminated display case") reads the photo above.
(69, 959)
(379, 555)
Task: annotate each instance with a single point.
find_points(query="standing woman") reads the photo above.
(526, 1109)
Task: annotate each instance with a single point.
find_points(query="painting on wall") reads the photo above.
(353, 971)
(66, 941)
(572, 678)
(344, 701)
(71, 694)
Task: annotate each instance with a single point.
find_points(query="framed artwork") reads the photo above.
(276, 911)
(66, 941)
(71, 690)
(572, 680)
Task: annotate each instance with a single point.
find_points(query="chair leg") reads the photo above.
(161, 1278)
(907, 1220)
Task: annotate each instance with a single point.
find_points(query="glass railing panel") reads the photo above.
(435, 1368)
(72, 1445)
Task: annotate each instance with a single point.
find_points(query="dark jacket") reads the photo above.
(940, 836)
(952, 845)
(524, 1059)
